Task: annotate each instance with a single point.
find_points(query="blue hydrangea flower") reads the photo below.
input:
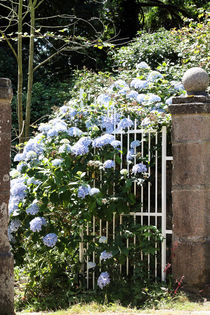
(83, 191)
(119, 84)
(57, 162)
(18, 188)
(64, 148)
(139, 168)
(21, 166)
(36, 224)
(135, 144)
(145, 122)
(116, 143)
(72, 112)
(125, 123)
(81, 146)
(140, 98)
(86, 141)
(130, 155)
(57, 126)
(153, 98)
(103, 99)
(64, 109)
(50, 239)
(93, 191)
(103, 280)
(52, 132)
(33, 208)
(13, 204)
(123, 91)
(74, 132)
(103, 140)
(32, 180)
(30, 155)
(169, 100)
(44, 128)
(79, 149)
(14, 225)
(35, 145)
(109, 164)
(154, 75)
(177, 85)
(139, 84)
(142, 65)
(108, 124)
(105, 255)
(103, 240)
(132, 94)
(19, 157)
(88, 123)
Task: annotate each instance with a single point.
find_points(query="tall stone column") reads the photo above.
(6, 259)
(191, 183)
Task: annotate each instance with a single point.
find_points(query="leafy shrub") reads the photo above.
(175, 50)
(65, 176)
(153, 48)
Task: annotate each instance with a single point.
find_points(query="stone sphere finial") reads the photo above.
(195, 81)
(5, 89)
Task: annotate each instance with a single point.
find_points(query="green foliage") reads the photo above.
(152, 48)
(171, 51)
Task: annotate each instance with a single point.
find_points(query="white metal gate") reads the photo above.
(152, 209)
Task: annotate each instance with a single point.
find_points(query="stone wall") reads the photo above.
(6, 259)
(191, 185)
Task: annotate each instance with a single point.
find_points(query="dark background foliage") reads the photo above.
(118, 21)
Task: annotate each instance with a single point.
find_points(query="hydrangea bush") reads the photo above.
(70, 171)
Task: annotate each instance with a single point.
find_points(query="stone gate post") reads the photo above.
(6, 259)
(191, 183)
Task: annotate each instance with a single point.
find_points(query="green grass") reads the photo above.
(173, 306)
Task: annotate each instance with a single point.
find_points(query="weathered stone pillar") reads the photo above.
(6, 259)
(191, 183)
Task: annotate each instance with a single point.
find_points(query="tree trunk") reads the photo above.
(20, 74)
(30, 70)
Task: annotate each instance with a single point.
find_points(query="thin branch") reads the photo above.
(35, 122)
(21, 133)
(9, 44)
(64, 16)
(50, 57)
(38, 4)
(8, 8)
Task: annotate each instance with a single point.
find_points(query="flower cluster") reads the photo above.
(33, 208)
(50, 239)
(83, 191)
(105, 255)
(103, 140)
(36, 224)
(139, 168)
(18, 192)
(103, 280)
(109, 164)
